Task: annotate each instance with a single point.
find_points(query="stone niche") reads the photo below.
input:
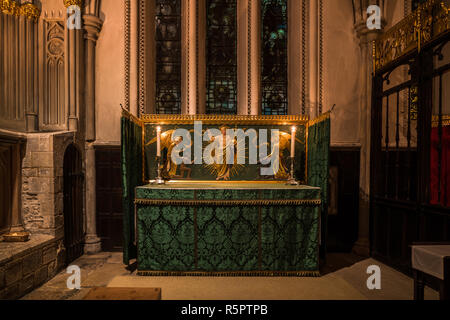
(42, 178)
(38, 200)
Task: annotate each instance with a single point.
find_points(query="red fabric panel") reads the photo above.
(445, 167)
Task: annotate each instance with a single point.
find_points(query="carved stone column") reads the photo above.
(74, 50)
(17, 227)
(92, 241)
(93, 25)
(32, 14)
(366, 37)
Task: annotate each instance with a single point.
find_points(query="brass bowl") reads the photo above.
(16, 237)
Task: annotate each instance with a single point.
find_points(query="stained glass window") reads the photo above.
(221, 57)
(168, 56)
(274, 57)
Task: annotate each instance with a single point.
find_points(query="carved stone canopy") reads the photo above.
(27, 9)
(68, 3)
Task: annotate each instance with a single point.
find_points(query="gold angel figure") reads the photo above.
(169, 168)
(284, 143)
(224, 171)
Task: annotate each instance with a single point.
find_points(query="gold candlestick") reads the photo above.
(292, 180)
(159, 180)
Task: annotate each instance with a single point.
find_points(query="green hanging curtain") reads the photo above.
(131, 148)
(319, 164)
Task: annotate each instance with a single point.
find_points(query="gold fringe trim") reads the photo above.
(229, 274)
(225, 119)
(323, 117)
(229, 203)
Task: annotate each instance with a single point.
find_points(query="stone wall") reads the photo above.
(42, 176)
(26, 266)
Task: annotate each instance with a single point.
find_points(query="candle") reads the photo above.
(158, 142)
(293, 131)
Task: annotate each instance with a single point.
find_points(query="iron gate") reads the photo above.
(410, 152)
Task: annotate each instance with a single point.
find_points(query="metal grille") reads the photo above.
(410, 174)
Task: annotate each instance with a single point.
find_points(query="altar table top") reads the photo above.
(245, 185)
(228, 192)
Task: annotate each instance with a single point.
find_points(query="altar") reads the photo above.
(190, 218)
(227, 228)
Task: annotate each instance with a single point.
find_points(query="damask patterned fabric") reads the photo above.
(131, 148)
(319, 163)
(214, 238)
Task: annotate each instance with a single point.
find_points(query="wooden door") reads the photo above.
(109, 197)
(73, 204)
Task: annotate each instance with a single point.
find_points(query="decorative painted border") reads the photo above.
(407, 6)
(320, 56)
(127, 49)
(221, 119)
(229, 203)
(304, 21)
(315, 274)
(188, 57)
(142, 58)
(197, 57)
(249, 58)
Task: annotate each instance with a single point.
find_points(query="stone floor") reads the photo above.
(344, 277)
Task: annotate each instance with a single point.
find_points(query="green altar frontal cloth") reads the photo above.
(212, 228)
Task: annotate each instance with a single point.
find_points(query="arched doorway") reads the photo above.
(73, 204)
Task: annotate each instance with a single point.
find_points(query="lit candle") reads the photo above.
(293, 131)
(158, 142)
